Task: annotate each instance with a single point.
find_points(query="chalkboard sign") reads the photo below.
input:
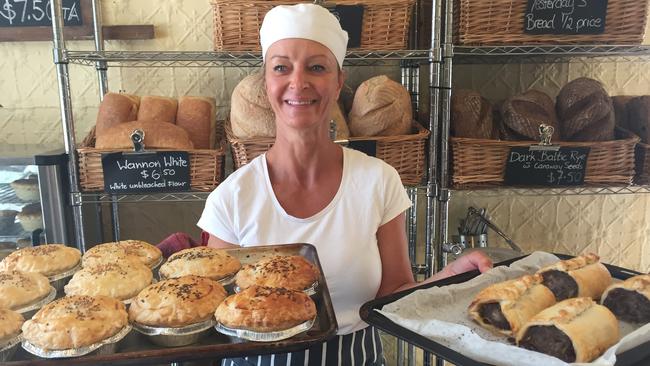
(351, 18)
(31, 13)
(565, 16)
(156, 171)
(541, 166)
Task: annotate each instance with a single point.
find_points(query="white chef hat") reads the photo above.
(306, 21)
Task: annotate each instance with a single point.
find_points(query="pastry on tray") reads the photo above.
(46, 259)
(291, 272)
(10, 323)
(201, 261)
(577, 277)
(31, 217)
(121, 281)
(266, 309)
(573, 330)
(630, 300)
(26, 189)
(19, 289)
(124, 250)
(177, 302)
(506, 306)
(75, 322)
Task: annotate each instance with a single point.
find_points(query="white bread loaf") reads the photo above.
(381, 107)
(116, 108)
(250, 111)
(157, 135)
(155, 108)
(471, 115)
(342, 131)
(197, 115)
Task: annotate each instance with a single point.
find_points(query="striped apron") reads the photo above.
(361, 348)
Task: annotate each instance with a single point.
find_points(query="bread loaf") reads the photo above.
(524, 113)
(116, 108)
(639, 117)
(621, 110)
(197, 115)
(585, 111)
(342, 131)
(250, 111)
(154, 108)
(157, 135)
(381, 107)
(471, 115)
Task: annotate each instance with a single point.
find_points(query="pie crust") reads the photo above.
(200, 261)
(266, 309)
(18, 288)
(177, 302)
(120, 251)
(519, 300)
(10, 323)
(117, 280)
(75, 321)
(590, 275)
(291, 272)
(46, 259)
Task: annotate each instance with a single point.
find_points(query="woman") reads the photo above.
(308, 189)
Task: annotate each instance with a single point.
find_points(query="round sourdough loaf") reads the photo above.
(250, 111)
(471, 115)
(381, 107)
(585, 111)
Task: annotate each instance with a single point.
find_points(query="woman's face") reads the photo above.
(303, 82)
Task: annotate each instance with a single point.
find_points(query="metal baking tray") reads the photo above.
(637, 356)
(136, 349)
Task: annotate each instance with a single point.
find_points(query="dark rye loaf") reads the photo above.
(585, 111)
(471, 115)
(522, 114)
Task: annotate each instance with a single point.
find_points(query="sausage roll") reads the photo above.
(573, 330)
(582, 276)
(506, 306)
(630, 300)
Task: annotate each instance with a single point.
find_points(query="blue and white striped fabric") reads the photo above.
(361, 348)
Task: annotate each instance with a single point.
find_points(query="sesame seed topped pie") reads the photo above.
(19, 289)
(200, 261)
(291, 272)
(265, 309)
(121, 251)
(10, 323)
(75, 322)
(118, 280)
(177, 302)
(46, 259)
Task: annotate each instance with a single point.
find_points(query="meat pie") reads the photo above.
(582, 276)
(573, 330)
(505, 307)
(630, 300)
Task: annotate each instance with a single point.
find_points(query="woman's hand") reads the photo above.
(468, 262)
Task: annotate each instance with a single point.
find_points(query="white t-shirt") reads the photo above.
(243, 210)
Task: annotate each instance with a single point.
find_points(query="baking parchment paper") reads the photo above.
(440, 313)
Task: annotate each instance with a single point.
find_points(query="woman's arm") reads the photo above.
(396, 267)
(215, 242)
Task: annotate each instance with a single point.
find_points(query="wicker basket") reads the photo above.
(206, 166)
(478, 162)
(237, 23)
(642, 164)
(502, 22)
(405, 153)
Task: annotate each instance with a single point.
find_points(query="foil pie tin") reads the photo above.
(229, 280)
(175, 337)
(156, 265)
(59, 280)
(29, 310)
(264, 336)
(8, 349)
(310, 291)
(104, 347)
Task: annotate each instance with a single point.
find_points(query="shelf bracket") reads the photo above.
(445, 194)
(59, 56)
(447, 50)
(76, 199)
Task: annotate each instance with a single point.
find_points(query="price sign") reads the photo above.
(563, 166)
(565, 16)
(159, 171)
(351, 18)
(29, 13)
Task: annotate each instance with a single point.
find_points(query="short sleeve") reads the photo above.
(396, 200)
(217, 217)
